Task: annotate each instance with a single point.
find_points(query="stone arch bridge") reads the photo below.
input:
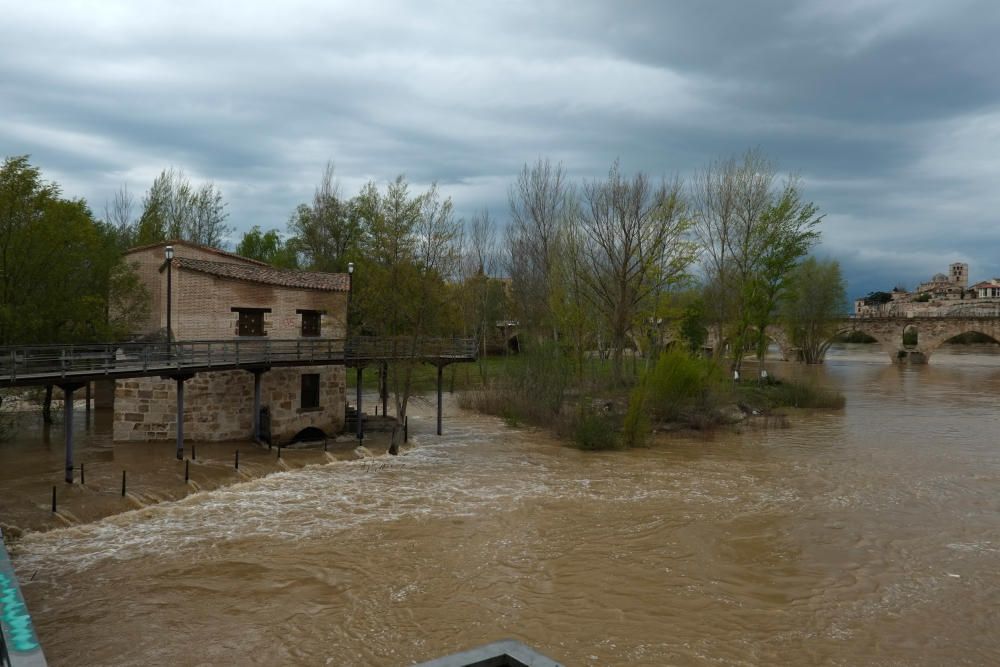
(931, 332)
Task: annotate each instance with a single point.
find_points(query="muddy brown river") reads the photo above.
(868, 536)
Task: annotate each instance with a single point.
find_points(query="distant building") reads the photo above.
(951, 286)
(987, 289)
(935, 296)
(216, 295)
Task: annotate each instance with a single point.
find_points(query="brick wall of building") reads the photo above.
(147, 262)
(219, 406)
(203, 307)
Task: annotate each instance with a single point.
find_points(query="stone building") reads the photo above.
(987, 289)
(215, 295)
(950, 286)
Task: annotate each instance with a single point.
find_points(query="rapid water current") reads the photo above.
(868, 536)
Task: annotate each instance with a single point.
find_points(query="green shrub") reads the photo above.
(681, 383)
(595, 431)
(635, 426)
(792, 394)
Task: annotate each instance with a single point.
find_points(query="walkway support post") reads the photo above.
(361, 434)
(68, 428)
(256, 404)
(384, 387)
(440, 374)
(180, 417)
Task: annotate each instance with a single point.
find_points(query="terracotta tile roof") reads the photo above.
(329, 282)
(190, 244)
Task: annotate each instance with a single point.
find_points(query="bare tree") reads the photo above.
(636, 247)
(752, 235)
(538, 202)
(484, 301)
(119, 213)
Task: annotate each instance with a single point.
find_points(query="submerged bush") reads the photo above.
(596, 431)
(532, 389)
(680, 384)
(801, 395)
(636, 424)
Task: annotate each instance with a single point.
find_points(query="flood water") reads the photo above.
(864, 536)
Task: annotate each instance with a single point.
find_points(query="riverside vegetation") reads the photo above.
(679, 390)
(614, 265)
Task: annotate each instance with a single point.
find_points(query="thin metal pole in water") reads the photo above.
(194, 453)
(360, 433)
(187, 471)
(237, 459)
(406, 429)
(180, 418)
(384, 388)
(279, 451)
(123, 483)
(83, 476)
(53, 500)
(68, 428)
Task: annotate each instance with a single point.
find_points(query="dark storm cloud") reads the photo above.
(887, 110)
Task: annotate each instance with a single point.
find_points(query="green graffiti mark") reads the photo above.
(14, 615)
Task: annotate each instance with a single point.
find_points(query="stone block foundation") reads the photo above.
(219, 406)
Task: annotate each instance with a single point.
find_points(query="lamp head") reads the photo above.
(350, 268)
(169, 252)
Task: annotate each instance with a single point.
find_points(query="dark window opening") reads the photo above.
(250, 322)
(310, 391)
(311, 322)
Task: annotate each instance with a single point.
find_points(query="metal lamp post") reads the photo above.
(169, 253)
(347, 334)
(350, 298)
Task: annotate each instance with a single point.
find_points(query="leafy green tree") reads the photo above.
(328, 232)
(267, 247)
(174, 208)
(62, 277)
(692, 328)
(878, 298)
(811, 306)
(788, 230)
(400, 283)
(751, 235)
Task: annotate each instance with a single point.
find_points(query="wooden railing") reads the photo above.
(38, 364)
(364, 349)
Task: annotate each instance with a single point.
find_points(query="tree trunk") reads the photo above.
(47, 405)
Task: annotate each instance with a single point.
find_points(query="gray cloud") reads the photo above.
(888, 110)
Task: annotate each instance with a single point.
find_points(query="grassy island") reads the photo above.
(678, 391)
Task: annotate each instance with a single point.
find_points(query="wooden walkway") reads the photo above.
(77, 364)
(71, 367)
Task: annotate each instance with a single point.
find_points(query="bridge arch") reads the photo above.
(884, 337)
(932, 343)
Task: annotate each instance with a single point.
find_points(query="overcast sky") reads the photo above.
(889, 110)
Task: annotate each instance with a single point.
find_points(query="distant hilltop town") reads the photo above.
(942, 294)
